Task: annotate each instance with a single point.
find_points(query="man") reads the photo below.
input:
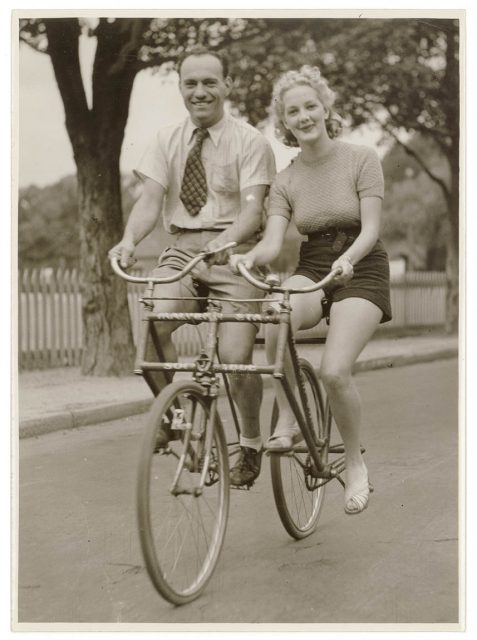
(211, 173)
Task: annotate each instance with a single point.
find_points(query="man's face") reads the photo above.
(204, 89)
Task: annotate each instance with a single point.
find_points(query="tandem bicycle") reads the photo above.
(183, 488)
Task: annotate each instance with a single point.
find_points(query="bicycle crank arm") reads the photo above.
(196, 491)
(339, 448)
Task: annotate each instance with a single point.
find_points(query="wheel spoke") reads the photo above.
(182, 533)
(298, 498)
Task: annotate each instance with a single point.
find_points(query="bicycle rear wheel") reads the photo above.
(182, 531)
(298, 496)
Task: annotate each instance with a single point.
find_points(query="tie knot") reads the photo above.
(200, 135)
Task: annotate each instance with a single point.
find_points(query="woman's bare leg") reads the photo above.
(352, 323)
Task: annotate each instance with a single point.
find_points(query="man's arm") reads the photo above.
(245, 225)
(142, 220)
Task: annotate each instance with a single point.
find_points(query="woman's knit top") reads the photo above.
(327, 192)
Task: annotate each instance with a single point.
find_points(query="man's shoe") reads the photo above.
(165, 434)
(247, 468)
(162, 437)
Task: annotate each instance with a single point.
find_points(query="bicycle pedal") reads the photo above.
(162, 451)
(285, 452)
(242, 487)
(270, 452)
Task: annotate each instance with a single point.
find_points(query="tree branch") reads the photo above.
(33, 46)
(63, 43)
(410, 151)
(130, 49)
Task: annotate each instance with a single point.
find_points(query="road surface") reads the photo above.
(79, 555)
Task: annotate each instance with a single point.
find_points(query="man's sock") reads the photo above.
(252, 443)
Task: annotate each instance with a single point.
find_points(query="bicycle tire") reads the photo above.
(298, 505)
(182, 535)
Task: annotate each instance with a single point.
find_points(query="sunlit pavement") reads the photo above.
(79, 555)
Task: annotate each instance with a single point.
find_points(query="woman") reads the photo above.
(333, 191)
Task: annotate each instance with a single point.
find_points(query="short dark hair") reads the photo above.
(201, 50)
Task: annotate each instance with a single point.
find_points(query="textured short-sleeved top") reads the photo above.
(327, 193)
(235, 156)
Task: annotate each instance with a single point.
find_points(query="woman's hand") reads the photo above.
(243, 258)
(346, 266)
(222, 257)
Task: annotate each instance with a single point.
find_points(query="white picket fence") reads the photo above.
(50, 327)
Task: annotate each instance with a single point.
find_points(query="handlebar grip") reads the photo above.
(177, 276)
(266, 285)
(273, 280)
(259, 284)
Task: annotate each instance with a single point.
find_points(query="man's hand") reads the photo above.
(124, 252)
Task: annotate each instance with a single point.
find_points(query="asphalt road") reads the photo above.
(79, 559)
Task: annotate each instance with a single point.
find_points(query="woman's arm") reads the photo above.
(268, 248)
(245, 225)
(369, 235)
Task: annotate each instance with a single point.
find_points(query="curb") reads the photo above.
(389, 362)
(72, 419)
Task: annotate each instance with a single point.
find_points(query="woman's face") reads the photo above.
(303, 114)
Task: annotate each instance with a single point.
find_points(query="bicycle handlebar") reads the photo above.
(177, 276)
(271, 287)
(259, 284)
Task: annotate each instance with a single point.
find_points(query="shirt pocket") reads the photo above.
(225, 178)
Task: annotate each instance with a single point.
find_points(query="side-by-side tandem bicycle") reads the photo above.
(183, 488)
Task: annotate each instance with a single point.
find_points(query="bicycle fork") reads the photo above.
(199, 461)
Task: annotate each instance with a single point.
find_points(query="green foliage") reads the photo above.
(280, 46)
(49, 226)
(414, 222)
(414, 212)
(391, 71)
(401, 74)
(394, 71)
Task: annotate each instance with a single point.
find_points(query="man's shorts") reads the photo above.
(204, 280)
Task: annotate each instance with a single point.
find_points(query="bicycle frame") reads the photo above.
(205, 368)
(191, 462)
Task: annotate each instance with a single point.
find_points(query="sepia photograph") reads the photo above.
(238, 256)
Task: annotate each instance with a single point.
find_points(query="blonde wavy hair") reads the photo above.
(309, 76)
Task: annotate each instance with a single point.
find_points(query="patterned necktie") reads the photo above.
(194, 183)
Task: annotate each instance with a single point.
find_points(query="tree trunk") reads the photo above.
(107, 338)
(96, 135)
(452, 115)
(452, 262)
(452, 295)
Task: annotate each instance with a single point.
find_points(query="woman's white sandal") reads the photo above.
(358, 502)
(283, 439)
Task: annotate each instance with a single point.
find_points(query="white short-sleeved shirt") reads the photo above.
(235, 156)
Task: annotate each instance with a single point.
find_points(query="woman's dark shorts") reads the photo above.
(371, 274)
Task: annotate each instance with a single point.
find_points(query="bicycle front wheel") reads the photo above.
(298, 496)
(181, 523)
